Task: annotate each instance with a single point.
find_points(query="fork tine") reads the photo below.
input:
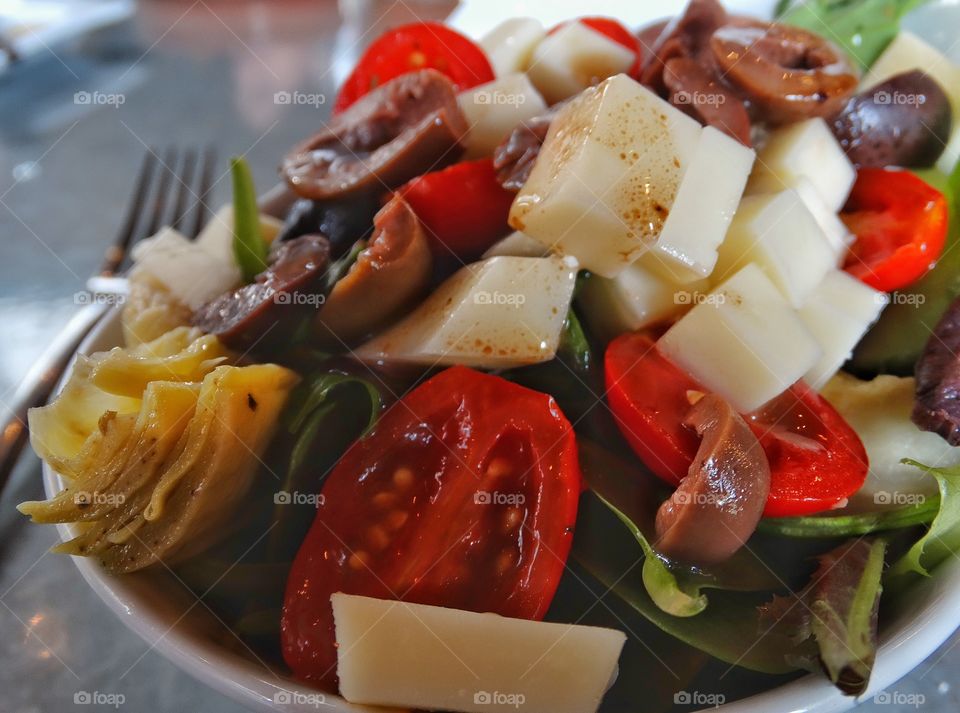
(208, 162)
(115, 254)
(185, 180)
(160, 199)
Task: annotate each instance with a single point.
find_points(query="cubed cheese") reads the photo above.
(777, 232)
(745, 343)
(516, 245)
(572, 59)
(607, 175)
(463, 661)
(499, 313)
(704, 206)
(510, 44)
(806, 149)
(494, 109)
(908, 52)
(838, 314)
(833, 228)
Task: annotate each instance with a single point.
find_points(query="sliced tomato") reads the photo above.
(613, 30)
(463, 207)
(900, 225)
(816, 458)
(419, 45)
(464, 495)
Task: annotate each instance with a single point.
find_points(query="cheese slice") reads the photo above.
(398, 654)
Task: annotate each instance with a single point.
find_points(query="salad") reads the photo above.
(572, 368)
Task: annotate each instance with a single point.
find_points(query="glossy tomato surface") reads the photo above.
(464, 495)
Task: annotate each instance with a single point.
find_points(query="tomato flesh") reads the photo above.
(613, 30)
(816, 458)
(900, 224)
(464, 495)
(409, 48)
(463, 207)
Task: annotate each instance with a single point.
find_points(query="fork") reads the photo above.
(168, 191)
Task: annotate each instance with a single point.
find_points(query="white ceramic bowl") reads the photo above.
(160, 609)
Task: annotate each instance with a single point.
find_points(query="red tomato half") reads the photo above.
(816, 458)
(419, 45)
(900, 224)
(464, 495)
(463, 207)
(613, 30)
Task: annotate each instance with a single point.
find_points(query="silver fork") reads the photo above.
(169, 190)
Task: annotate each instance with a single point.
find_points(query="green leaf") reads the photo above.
(861, 27)
(249, 247)
(825, 526)
(943, 538)
(574, 349)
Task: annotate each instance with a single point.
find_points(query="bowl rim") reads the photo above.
(903, 645)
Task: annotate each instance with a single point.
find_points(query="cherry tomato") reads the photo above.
(816, 458)
(900, 224)
(419, 45)
(463, 207)
(613, 30)
(464, 495)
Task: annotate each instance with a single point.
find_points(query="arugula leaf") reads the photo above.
(824, 526)
(943, 538)
(249, 247)
(861, 27)
(833, 621)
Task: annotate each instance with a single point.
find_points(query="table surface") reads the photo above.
(193, 73)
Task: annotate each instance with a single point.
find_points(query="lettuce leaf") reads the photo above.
(249, 247)
(823, 526)
(943, 538)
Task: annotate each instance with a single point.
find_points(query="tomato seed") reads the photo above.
(384, 500)
(403, 478)
(498, 467)
(396, 519)
(358, 560)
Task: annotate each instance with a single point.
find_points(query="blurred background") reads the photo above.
(86, 87)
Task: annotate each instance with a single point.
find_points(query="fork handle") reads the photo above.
(39, 383)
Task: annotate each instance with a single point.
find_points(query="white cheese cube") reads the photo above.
(217, 236)
(778, 233)
(711, 189)
(838, 314)
(574, 58)
(839, 237)
(636, 298)
(499, 313)
(808, 150)
(463, 661)
(494, 109)
(745, 343)
(510, 44)
(607, 175)
(908, 52)
(516, 245)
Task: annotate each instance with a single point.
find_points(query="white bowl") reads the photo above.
(161, 610)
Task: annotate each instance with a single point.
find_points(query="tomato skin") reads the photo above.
(900, 224)
(816, 458)
(403, 514)
(463, 207)
(613, 30)
(408, 48)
